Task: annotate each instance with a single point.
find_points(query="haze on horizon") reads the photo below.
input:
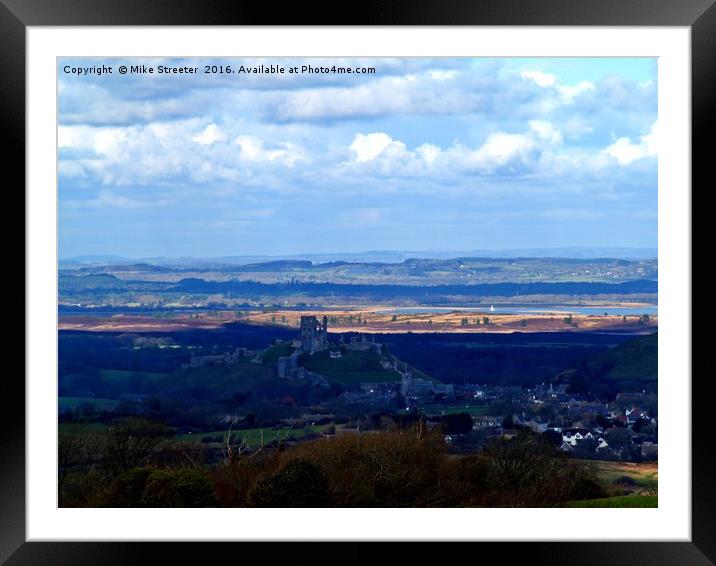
(443, 154)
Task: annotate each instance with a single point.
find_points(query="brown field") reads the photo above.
(146, 323)
(369, 320)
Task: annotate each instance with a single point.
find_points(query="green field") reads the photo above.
(622, 501)
(66, 403)
(352, 367)
(474, 410)
(252, 436)
(85, 428)
(122, 375)
(645, 474)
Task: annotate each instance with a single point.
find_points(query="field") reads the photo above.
(440, 409)
(66, 403)
(252, 437)
(352, 367)
(372, 319)
(641, 473)
(620, 501)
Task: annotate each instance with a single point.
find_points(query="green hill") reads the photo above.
(630, 366)
(353, 367)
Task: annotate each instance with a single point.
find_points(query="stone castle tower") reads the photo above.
(313, 335)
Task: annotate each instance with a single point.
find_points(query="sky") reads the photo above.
(422, 154)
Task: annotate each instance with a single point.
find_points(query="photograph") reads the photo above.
(357, 282)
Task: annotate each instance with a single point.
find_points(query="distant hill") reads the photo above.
(630, 366)
(379, 256)
(462, 270)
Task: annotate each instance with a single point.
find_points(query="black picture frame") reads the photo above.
(698, 15)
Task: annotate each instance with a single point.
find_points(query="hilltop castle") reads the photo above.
(312, 337)
(313, 334)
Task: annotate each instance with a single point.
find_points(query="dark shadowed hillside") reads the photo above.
(630, 366)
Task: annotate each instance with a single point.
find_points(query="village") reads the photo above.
(624, 428)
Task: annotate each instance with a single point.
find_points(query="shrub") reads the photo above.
(387, 469)
(527, 471)
(187, 487)
(144, 487)
(625, 481)
(128, 488)
(84, 489)
(299, 483)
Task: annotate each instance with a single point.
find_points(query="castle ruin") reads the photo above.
(313, 334)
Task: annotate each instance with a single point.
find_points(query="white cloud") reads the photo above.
(540, 78)
(570, 92)
(367, 147)
(546, 131)
(425, 93)
(211, 134)
(252, 149)
(501, 148)
(170, 153)
(626, 152)
(428, 152)
(441, 75)
(567, 92)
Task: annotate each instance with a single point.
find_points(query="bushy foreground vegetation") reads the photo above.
(134, 463)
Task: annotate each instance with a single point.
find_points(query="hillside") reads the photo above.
(630, 366)
(352, 367)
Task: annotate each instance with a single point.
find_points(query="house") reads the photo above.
(486, 422)
(634, 415)
(535, 425)
(572, 436)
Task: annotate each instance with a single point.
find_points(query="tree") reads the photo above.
(640, 425)
(527, 471)
(144, 487)
(458, 423)
(250, 420)
(131, 441)
(618, 438)
(553, 437)
(299, 483)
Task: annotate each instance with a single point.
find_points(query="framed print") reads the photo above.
(422, 276)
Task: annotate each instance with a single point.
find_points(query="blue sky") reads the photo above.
(425, 154)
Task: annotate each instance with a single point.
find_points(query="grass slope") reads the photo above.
(630, 366)
(620, 501)
(352, 367)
